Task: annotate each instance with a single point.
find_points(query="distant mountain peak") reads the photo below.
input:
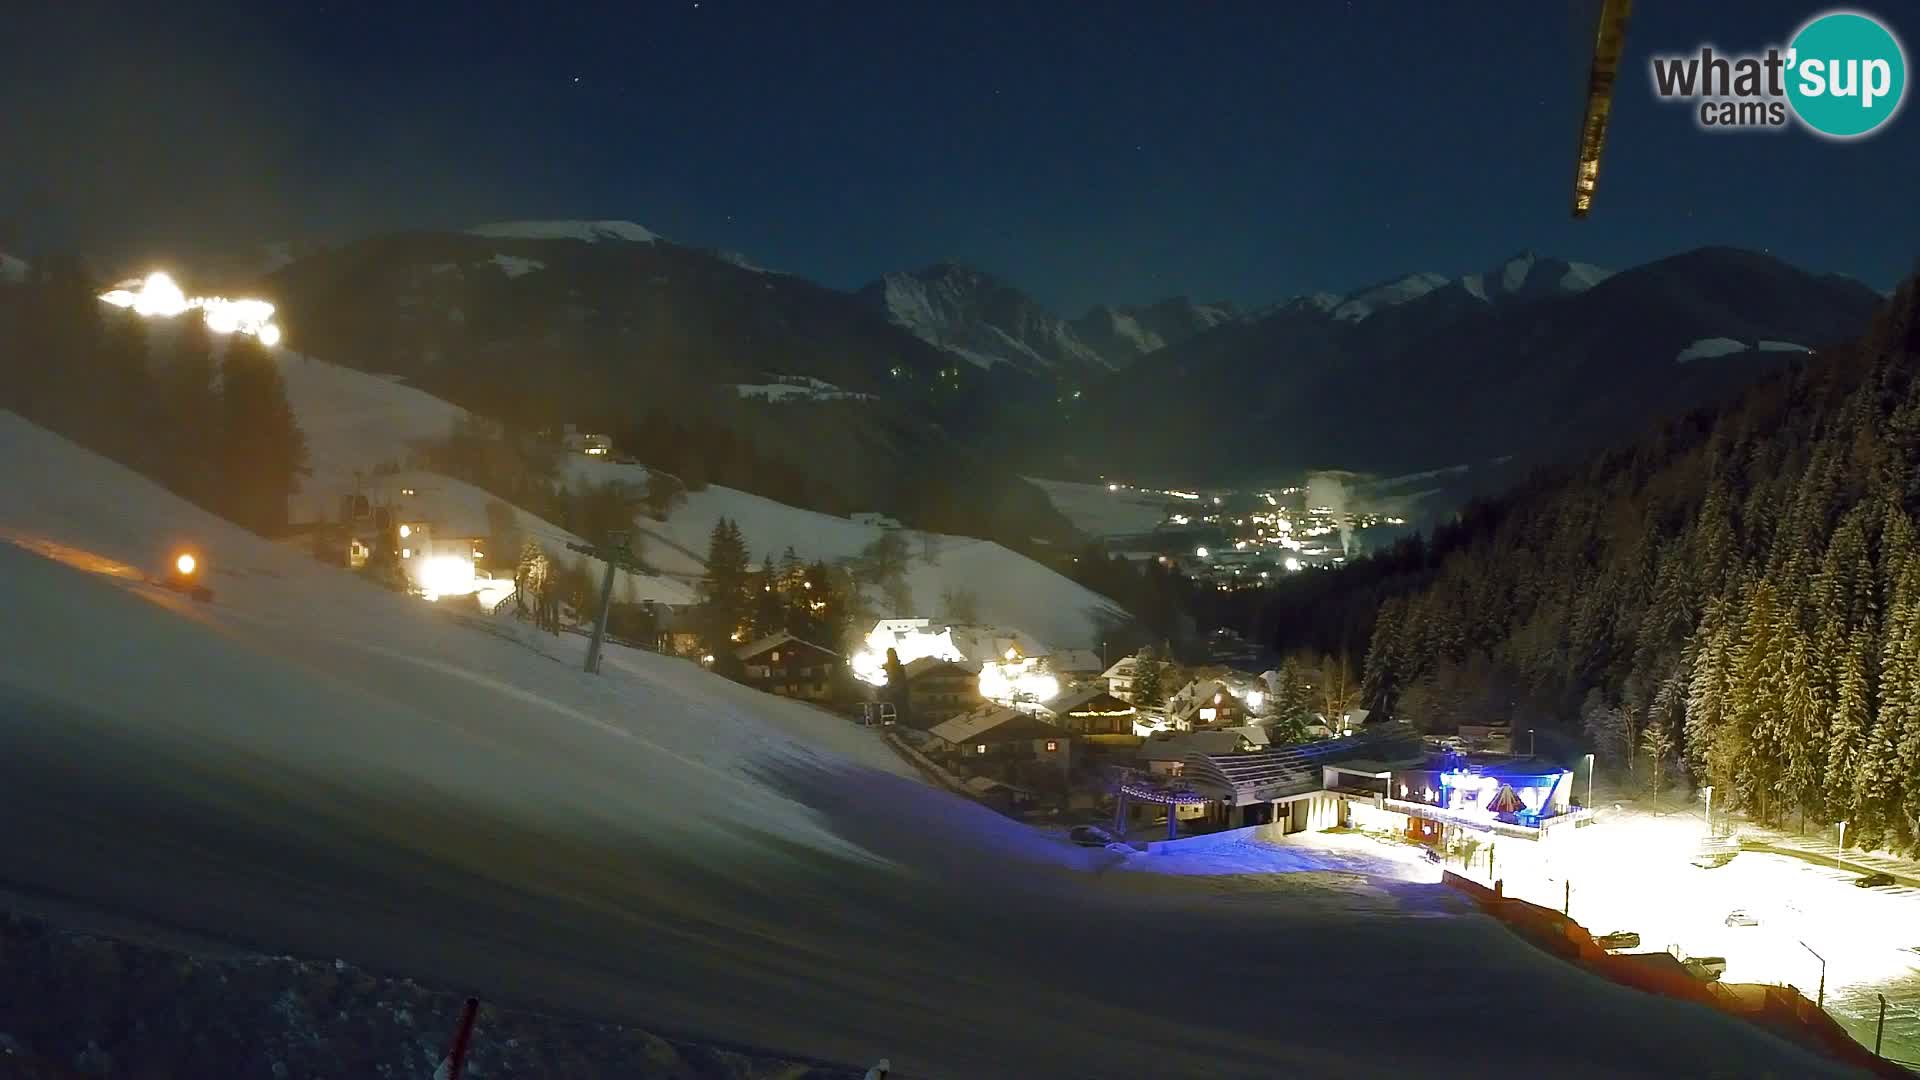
(1357, 306)
(981, 319)
(593, 232)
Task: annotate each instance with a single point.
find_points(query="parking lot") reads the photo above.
(1634, 871)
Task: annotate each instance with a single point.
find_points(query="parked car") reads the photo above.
(1705, 968)
(1738, 917)
(1619, 939)
(1091, 836)
(1876, 880)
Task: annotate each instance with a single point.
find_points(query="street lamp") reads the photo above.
(1822, 1002)
(1843, 843)
(1589, 781)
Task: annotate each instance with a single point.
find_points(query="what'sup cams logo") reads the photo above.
(1843, 75)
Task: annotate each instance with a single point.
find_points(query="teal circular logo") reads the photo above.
(1847, 74)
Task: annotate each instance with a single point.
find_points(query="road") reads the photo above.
(405, 837)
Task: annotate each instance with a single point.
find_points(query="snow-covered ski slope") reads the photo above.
(1012, 589)
(355, 421)
(311, 765)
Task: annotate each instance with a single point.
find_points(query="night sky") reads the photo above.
(1114, 152)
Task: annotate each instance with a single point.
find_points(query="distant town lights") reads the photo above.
(1200, 552)
(1293, 565)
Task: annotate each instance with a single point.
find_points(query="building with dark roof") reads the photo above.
(789, 666)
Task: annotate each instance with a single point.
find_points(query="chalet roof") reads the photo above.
(922, 664)
(774, 641)
(1121, 669)
(1075, 699)
(1180, 746)
(1244, 778)
(1199, 694)
(982, 785)
(1083, 661)
(992, 725)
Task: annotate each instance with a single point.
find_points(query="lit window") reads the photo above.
(406, 491)
(406, 553)
(406, 531)
(980, 749)
(775, 658)
(1052, 746)
(1208, 714)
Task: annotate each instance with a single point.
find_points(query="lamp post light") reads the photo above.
(1822, 1002)
(1589, 782)
(1842, 845)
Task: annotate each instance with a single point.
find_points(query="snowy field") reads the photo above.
(1633, 871)
(311, 765)
(1101, 513)
(1012, 589)
(355, 421)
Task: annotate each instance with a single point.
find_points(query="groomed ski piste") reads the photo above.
(313, 766)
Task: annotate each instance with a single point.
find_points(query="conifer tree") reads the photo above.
(724, 599)
(1847, 736)
(261, 449)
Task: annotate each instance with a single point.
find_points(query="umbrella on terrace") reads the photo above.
(1505, 801)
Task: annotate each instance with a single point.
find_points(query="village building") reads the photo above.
(1205, 703)
(789, 666)
(1073, 665)
(1382, 779)
(993, 734)
(1096, 714)
(1119, 677)
(940, 689)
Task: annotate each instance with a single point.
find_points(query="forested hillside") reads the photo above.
(1734, 600)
